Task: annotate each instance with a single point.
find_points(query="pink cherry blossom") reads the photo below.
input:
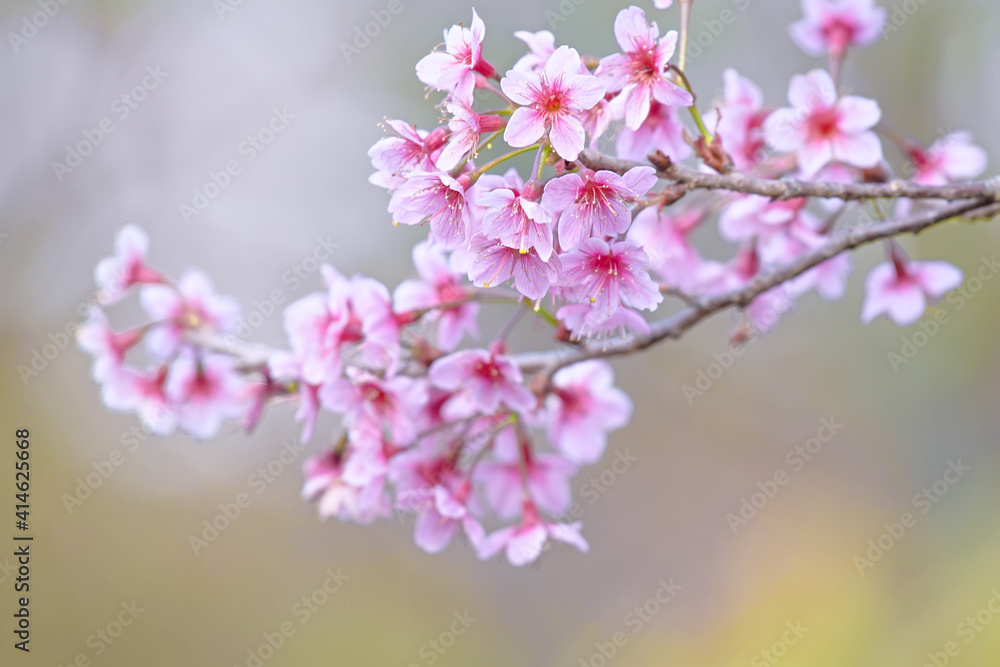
(596, 121)
(639, 71)
(901, 288)
(308, 394)
(482, 381)
(821, 128)
(206, 391)
(610, 276)
(368, 456)
(412, 150)
(583, 407)
(129, 390)
(951, 158)
(439, 197)
(541, 46)
(424, 465)
(515, 217)
(595, 204)
(748, 217)
(663, 4)
(831, 26)
(764, 311)
(440, 518)
(664, 237)
(552, 103)
(192, 304)
(314, 332)
(438, 285)
(661, 130)
(525, 542)
(585, 320)
(324, 482)
(115, 275)
(454, 70)
(496, 263)
(516, 466)
(829, 279)
(380, 324)
(96, 337)
(384, 403)
(466, 127)
(739, 120)
(319, 327)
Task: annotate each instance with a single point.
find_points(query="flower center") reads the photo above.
(823, 124)
(554, 102)
(487, 370)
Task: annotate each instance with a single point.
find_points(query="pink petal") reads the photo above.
(784, 130)
(812, 90)
(632, 30)
(671, 94)
(570, 534)
(526, 126)
(808, 37)
(526, 546)
(813, 156)
(566, 135)
(560, 193)
(564, 62)
(861, 150)
(521, 87)
(936, 277)
(906, 306)
(433, 532)
(636, 105)
(586, 91)
(857, 114)
(640, 179)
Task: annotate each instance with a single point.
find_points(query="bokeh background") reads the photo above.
(663, 518)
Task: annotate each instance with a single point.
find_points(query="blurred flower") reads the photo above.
(821, 128)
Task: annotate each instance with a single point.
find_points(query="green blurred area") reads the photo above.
(665, 518)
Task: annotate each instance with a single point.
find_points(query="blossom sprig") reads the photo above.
(459, 431)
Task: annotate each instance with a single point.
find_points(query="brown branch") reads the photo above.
(789, 188)
(702, 308)
(253, 357)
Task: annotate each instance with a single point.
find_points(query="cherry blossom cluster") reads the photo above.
(459, 434)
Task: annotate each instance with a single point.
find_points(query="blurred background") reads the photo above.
(224, 68)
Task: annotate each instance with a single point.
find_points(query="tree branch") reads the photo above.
(789, 188)
(253, 357)
(675, 326)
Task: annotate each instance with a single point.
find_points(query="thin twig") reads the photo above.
(675, 326)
